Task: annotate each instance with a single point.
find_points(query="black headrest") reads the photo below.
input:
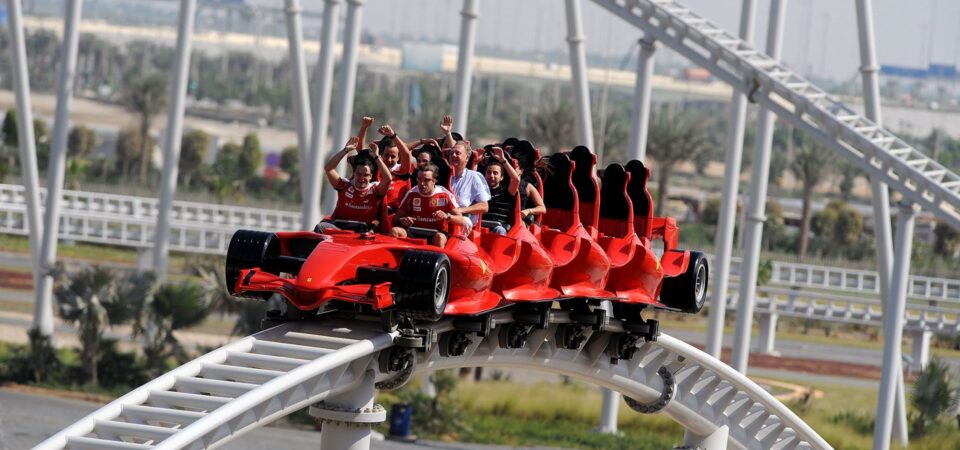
(557, 189)
(613, 199)
(583, 177)
(637, 188)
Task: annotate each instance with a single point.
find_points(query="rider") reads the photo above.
(503, 196)
(358, 198)
(396, 155)
(428, 206)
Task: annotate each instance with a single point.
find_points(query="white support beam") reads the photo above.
(728, 200)
(42, 314)
(756, 208)
(318, 153)
(172, 136)
(468, 34)
(893, 326)
(642, 97)
(578, 68)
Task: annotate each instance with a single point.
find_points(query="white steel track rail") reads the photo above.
(229, 391)
(248, 383)
(870, 147)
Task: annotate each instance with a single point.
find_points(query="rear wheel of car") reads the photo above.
(249, 249)
(688, 291)
(422, 285)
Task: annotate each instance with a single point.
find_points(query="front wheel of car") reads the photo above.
(688, 291)
(248, 250)
(422, 285)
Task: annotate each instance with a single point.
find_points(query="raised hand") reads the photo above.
(386, 130)
(366, 121)
(374, 148)
(352, 143)
(446, 124)
(433, 142)
(498, 153)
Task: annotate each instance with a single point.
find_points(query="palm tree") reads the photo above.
(146, 97)
(161, 310)
(933, 394)
(250, 313)
(89, 299)
(812, 163)
(674, 137)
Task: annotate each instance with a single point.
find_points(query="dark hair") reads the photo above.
(385, 143)
(490, 162)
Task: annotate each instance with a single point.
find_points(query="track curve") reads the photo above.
(251, 382)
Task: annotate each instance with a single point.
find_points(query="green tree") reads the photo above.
(128, 151)
(41, 136)
(161, 310)
(81, 141)
(290, 163)
(9, 128)
(947, 240)
(674, 137)
(250, 158)
(811, 165)
(193, 152)
(838, 228)
(89, 299)
(933, 394)
(146, 97)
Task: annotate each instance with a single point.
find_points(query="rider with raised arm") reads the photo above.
(358, 198)
(503, 196)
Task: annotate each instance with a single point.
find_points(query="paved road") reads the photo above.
(28, 419)
(807, 350)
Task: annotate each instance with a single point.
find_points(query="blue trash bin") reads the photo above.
(401, 421)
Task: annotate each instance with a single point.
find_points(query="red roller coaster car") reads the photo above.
(594, 244)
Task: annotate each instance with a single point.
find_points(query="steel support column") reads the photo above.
(58, 155)
(316, 156)
(346, 89)
(714, 441)
(348, 416)
(172, 135)
(301, 94)
(760, 175)
(578, 68)
(468, 34)
(42, 315)
(641, 99)
(893, 326)
(881, 194)
(728, 200)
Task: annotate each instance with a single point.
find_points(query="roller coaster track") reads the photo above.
(768, 82)
(251, 382)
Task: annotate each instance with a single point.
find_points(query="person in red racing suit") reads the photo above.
(428, 206)
(358, 198)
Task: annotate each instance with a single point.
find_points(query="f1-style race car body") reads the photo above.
(593, 244)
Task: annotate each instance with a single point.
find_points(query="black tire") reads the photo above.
(248, 249)
(422, 285)
(688, 291)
